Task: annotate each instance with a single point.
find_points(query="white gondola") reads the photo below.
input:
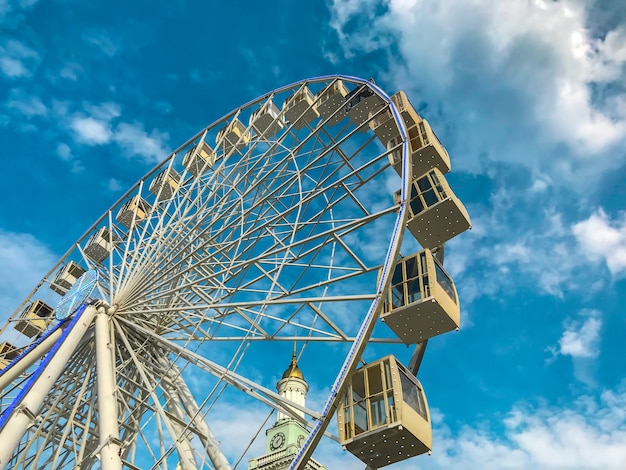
(384, 125)
(233, 136)
(266, 120)
(66, 277)
(165, 184)
(34, 318)
(384, 416)
(424, 147)
(199, 159)
(299, 109)
(101, 244)
(8, 352)
(435, 213)
(406, 109)
(330, 102)
(133, 212)
(360, 102)
(421, 301)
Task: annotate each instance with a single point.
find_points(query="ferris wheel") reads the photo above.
(273, 225)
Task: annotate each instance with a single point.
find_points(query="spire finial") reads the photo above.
(293, 370)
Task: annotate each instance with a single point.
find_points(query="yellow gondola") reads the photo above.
(34, 318)
(299, 109)
(421, 301)
(384, 417)
(100, 245)
(165, 184)
(435, 213)
(134, 211)
(66, 277)
(199, 158)
(330, 102)
(266, 120)
(8, 352)
(233, 136)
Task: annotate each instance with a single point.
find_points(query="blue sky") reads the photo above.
(528, 96)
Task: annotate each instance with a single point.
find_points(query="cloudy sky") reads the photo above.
(529, 97)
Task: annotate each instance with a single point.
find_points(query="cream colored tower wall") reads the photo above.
(295, 390)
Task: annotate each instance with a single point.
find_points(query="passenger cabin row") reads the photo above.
(302, 108)
(332, 104)
(136, 209)
(429, 159)
(37, 315)
(384, 416)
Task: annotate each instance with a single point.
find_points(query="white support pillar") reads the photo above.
(29, 359)
(108, 426)
(183, 436)
(27, 410)
(159, 408)
(209, 441)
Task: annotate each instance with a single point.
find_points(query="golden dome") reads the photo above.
(293, 371)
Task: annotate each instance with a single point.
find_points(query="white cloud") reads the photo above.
(28, 106)
(114, 185)
(106, 111)
(17, 60)
(520, 242)
(71, 71)
(100, 124)
(64, 151)
(103, 41)
(581, 339)
(522, 72)
(590, 434)
(77, 167)
(23, 262)
(234, 427)
(11, 11)
(603, 239)
(540, 183)
(91, 131)
(136, 141)
(362, 39)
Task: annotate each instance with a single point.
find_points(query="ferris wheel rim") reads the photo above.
(362, 336)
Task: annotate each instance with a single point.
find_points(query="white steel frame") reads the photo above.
(279, 240)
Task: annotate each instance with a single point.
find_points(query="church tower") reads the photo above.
(287, 435)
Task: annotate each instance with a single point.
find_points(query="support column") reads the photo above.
(26, 410)
(209, 441)
(108, 426)
(183, 436)
(29, 359)
(157, 405)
